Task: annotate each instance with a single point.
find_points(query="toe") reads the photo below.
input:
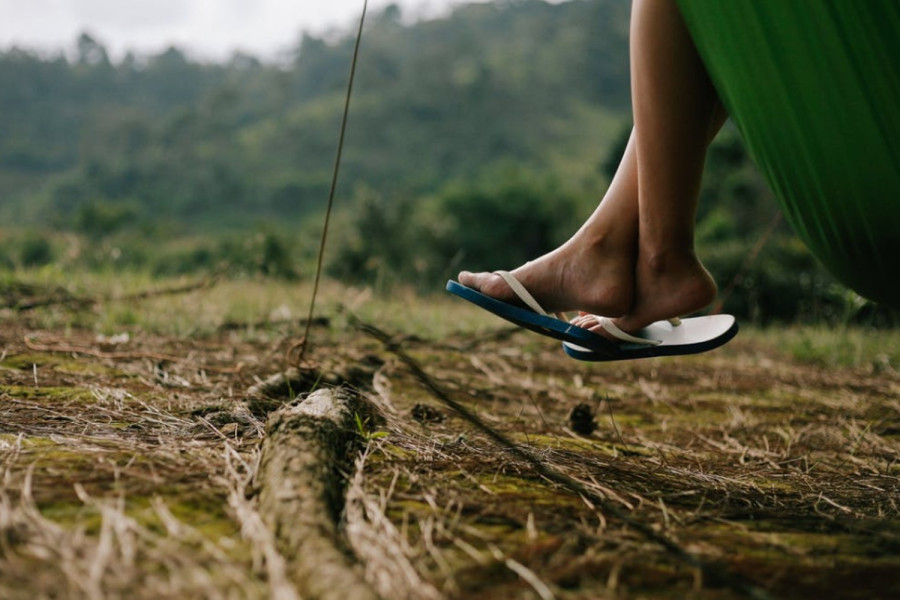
(473, 280)
(485, 282)
(586, 321)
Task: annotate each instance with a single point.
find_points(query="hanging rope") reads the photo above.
(300, 347)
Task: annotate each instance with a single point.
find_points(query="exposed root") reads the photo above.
(307, 446)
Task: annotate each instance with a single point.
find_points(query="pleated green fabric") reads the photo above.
(814, 88)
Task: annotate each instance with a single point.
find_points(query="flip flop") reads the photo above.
(534, 317)
(663, 338)
(689, 336)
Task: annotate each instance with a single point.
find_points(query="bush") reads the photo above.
(100, 218)
(36, 251)
(500, 221)
(505, 221)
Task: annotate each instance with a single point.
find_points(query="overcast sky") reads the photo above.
(207, 29)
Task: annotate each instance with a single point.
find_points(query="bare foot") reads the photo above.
(595, 277)
(668, 286)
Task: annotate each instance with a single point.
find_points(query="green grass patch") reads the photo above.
(877, 350)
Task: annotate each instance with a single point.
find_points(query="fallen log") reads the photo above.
(308, 449)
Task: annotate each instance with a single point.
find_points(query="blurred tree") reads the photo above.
(478, 137)
(36, 251)
(91, 52)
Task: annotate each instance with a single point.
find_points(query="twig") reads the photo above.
(204, 283)
(62, 296)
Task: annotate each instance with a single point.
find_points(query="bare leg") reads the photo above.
(594, 270)
(677, 112)
(634, 255)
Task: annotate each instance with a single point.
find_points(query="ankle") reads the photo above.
(670, 261)
(608, 246)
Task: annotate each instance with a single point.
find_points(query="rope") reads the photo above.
(301, 346)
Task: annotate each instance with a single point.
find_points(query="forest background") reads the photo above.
(477, 140)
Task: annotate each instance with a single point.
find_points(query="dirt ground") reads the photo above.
(128, 467)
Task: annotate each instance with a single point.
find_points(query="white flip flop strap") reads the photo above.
(525, 296)
(613, 330)
(521, 292)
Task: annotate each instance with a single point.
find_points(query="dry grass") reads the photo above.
(100, 513)
(782, 474)
(126, 460)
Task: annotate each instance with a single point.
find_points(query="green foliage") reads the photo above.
(260, 251)
(35, 251)
(479, 140)
(764, 273)
(211, 145)
(276, 258)
(99, 218)
(505, 218)
(386, 241)
(27, 248)
(363, 431)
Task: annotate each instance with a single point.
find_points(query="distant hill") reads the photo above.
(91, 144)
(480, 139)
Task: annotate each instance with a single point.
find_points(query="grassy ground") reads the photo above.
(127, 447)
